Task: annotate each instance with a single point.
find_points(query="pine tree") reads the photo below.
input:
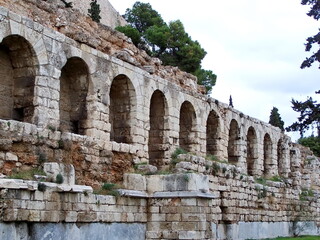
(275, 119)
(94, 11)
(230, 101)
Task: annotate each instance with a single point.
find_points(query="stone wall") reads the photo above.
(109, 16)
(79, 95)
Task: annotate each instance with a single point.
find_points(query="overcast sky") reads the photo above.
(254, 46)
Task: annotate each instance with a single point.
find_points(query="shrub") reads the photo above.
(59, 178)
(42, 187)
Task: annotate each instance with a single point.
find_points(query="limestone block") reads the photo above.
(155, 183)
(147, 168)
(52, 169)
(135, 182)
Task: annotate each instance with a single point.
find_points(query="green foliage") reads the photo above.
(309, 115)
(132, 33)
(296, 238)
(261, 181)
(59, 178)
(312, 142)
(168, 42)
(315, 13)
(275, 119)
(94, 11)
(177, 152)
(262, 193)
(42, 157)
(42, 187)
(305, 193)
(28, 174)
(206, 78)
(215, 169)
(212, 157)
(108, 189)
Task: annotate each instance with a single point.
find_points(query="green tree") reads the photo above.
(315, 13)
(312, 142)
(275, 119)
(309, 115)
(168, 42)
(94, 11)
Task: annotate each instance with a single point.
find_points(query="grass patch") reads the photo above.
(177, 152)
(28, 174)
(296, 238)
(108, 189)
(306, 193)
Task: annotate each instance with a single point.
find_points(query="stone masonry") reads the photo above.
(79, 99)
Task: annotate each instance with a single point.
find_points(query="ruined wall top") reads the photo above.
(76, 25)
(109, 16)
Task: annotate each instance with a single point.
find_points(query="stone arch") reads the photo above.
(74, 83)
(267, 154)
(212, 133)
(158, 113)
(252, 150)
(233, 142)
(18, 69)
(280, 157)
(122, 106)
(187, 122)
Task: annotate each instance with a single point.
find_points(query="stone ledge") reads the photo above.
(132, 193)
(184, 194)
(33, 185)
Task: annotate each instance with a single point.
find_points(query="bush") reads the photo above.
(42, 187)
(59, 178)
(177, 152)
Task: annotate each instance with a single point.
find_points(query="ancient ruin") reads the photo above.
(82, 104)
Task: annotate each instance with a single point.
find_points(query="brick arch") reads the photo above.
(187, 123)
(18, 69)
(234, 142)
(74, 84)
(213, 127)
(267, 154)
(122, 107)
(157, 117)
(252, 150)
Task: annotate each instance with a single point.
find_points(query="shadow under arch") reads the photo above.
(252, 150)
(212, 133)
(187, 122)
(157, 117)
(74, 84)
(122, 106)
(267, 154)
(18, 69)
(233, 142)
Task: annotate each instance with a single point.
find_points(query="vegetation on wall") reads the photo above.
(94, 11)
(168, 42)
(275, 119)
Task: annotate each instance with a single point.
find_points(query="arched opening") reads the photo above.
(280, 157)
(157, 128)
(212, 133)
(74, 82)
(122, 101)
(18, 68)
(233, 143)
(187, 122)
(251, 150)
(267, 153)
